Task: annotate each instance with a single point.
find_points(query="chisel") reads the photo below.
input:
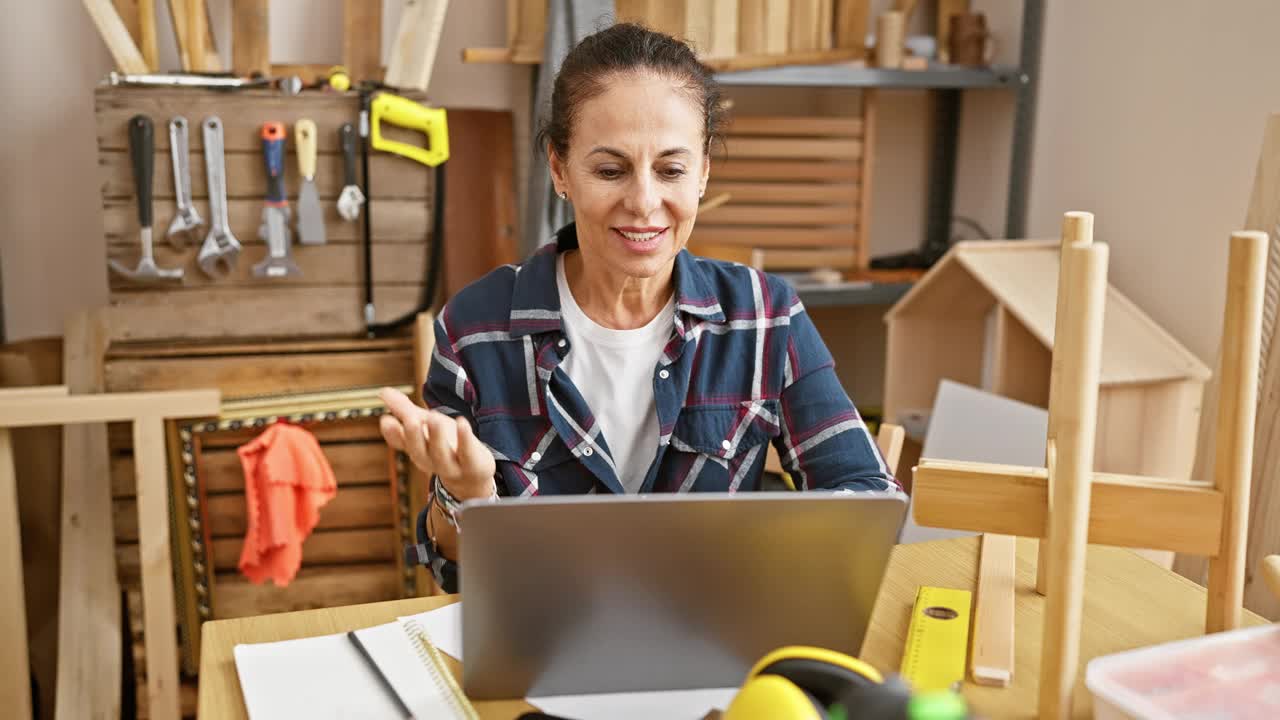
(310, 216)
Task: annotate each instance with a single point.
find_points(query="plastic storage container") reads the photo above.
(1224, 676)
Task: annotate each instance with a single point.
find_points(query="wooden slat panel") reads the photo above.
(790, 215)
(769, 237)
(395, 177)
(392, 220)
(763, 26)
(353, 507)
(781, 192)
(792, 148)
(220, 470)
(330, 264)
(324, 547)
(244, 312)
(317, 587)
(777, 125)
(735, 168)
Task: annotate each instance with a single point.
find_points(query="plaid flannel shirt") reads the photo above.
(744, 366)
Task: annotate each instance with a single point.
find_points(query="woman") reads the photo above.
(614, 360)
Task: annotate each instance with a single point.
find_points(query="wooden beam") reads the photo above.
(851, 25)
(991, 662)
(15, 671)
(251, 36)
(178, 15)
(120, 44)
(981, 497)
(113, 407)
(195, 26)
(1237, 408)
(157, 567)
(89, 672)
(147, 34)
(413, 53)
(362, 39)
(1071, 479)
(889, 439)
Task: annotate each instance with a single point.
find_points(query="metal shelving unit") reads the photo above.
(947, 83)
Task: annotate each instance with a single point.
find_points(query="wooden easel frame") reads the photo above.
(1068, 505)
(147, 412)
(194, 568)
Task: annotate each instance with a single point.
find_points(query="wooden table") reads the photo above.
(1129, 602)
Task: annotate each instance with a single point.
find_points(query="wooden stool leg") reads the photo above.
(1077, 228)
(159, 617)
(1080, 346)
(1237, 406)
(15, 673)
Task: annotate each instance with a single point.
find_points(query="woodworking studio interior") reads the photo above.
(776, 359)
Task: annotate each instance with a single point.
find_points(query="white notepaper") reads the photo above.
(444, 627)
(668, 704)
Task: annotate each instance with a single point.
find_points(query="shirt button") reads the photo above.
(664, 374)
(535, 457)
(562, 343)
(588, 452)
(726, 444)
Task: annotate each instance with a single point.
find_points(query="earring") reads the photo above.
(702, 192)
(564, 196)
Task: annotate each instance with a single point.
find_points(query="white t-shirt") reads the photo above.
(614, 369)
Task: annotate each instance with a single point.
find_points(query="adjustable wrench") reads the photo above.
(220, 248)
(187, 218)
(275, 211)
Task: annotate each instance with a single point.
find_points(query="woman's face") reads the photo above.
(634, 173)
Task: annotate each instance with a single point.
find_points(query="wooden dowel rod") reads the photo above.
(1081, 347)
(1077, 227)
(1237, 407)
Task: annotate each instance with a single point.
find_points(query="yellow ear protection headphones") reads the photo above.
(809, 683)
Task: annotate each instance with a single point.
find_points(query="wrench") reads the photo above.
(220, 249)
(275, 211)
(187, 218)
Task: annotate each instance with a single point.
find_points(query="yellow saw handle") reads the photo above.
(408, 114)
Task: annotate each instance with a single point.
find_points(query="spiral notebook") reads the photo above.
(326, 677)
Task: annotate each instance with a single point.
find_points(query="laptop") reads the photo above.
(589, 594)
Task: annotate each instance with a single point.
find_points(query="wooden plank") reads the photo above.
(526, 28)
(115, 407)
(362, 39)
(241, 312)
(147, 34)
(119, 43)
(196, 21)
(805, 125)
(1183, 517)
(775, 259)
(131, 15)
(15, 687)
(393, 220)
(159, 614)
(870, 100)
(824, 149)
(480, 208)
(397, 178)
(991, 662)
(1237, 411)
(889, 440)
(806, 29)
(255, 375)
(314, 587)
(89, 594)
(251, 36)
(731, 168)
(322, 265)
(851, 24)
(413, 52)
(272, 346)
(364, 429)
(735, 213)
(713, 25)
(357, 463)
(773, 237)
(763, 26)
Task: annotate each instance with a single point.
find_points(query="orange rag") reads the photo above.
(286, 481)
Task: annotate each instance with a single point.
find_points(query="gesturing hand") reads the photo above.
(438, 443)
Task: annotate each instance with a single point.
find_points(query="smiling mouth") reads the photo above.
(640, 236)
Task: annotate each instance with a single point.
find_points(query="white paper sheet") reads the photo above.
(668, 704)
(444, 627)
